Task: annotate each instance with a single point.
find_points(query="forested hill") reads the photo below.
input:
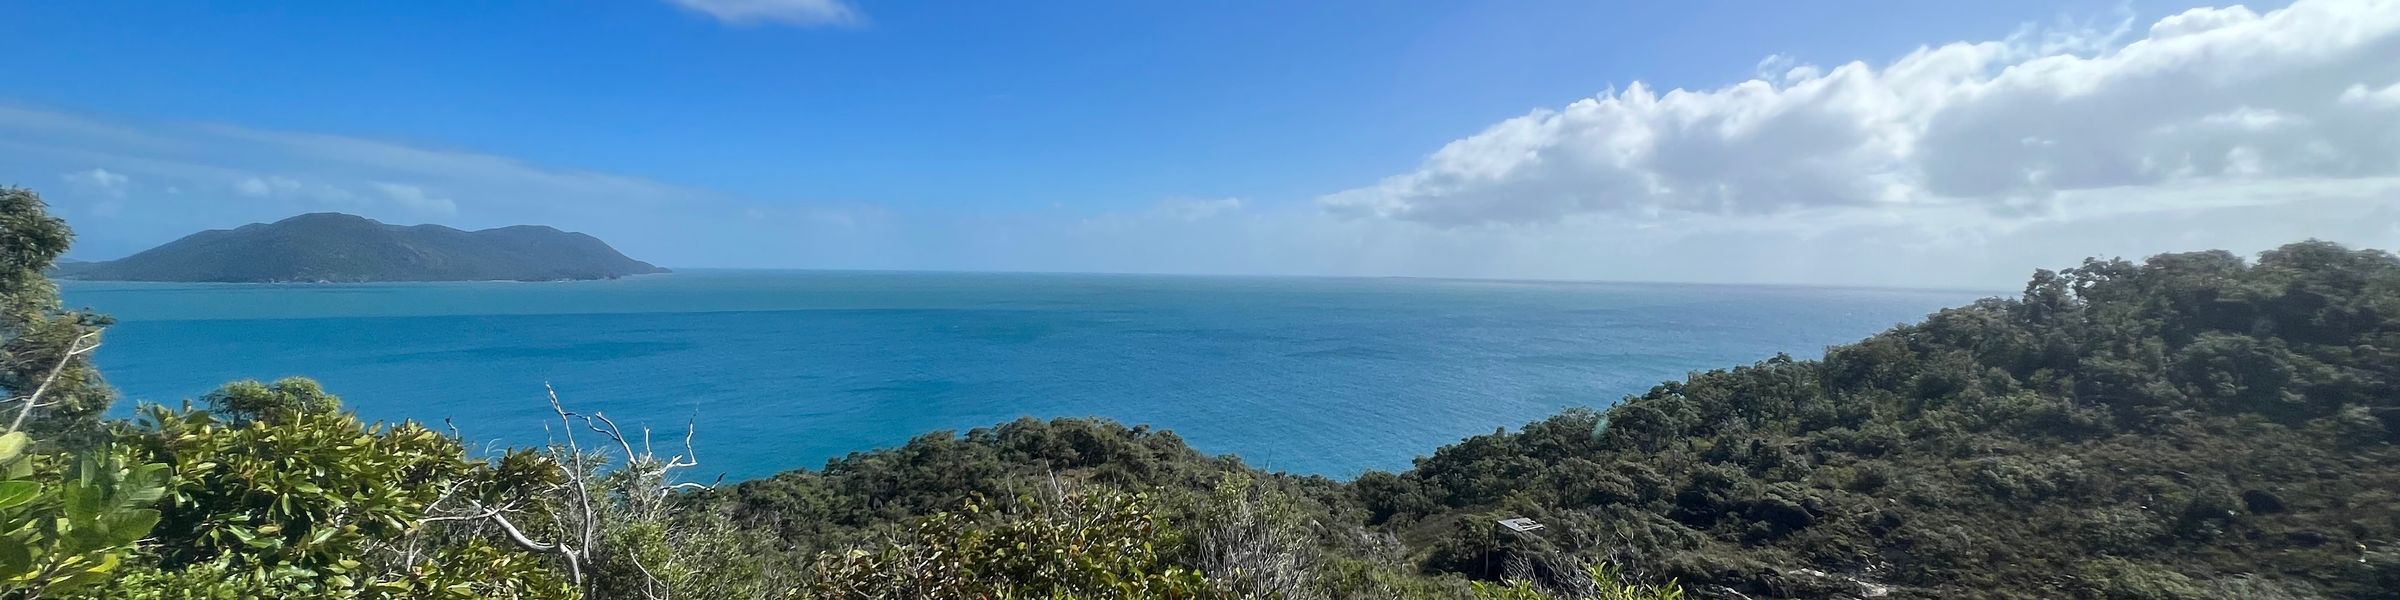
(2192, 426)
(345, 248)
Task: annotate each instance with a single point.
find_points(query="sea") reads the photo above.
(776, 370)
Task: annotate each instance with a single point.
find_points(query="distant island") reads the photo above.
(335, 247)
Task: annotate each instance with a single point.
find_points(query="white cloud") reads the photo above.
(352, 153)
(1195, 209)
(2008, 127)
(1964, 164)
(788, 12)
(2358, 94)
(101, 180)
(261, 187)
(228, 175)
(415, 198)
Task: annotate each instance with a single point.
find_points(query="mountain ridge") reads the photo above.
(338, 247)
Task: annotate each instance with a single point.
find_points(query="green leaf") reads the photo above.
(13, 444)
(13, 493)
(126, 527)
(83, 502)
(16, 559)
(82, 537)
(89, 575)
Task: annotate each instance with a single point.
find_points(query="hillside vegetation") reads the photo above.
(336, 247)
(2193, 426)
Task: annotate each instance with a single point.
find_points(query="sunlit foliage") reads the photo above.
(73, 527)
(1083, 544)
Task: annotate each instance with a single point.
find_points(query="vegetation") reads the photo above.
(68, 530)
(343, 248)
(1078, 545)
(44, 349)
(2193, 426)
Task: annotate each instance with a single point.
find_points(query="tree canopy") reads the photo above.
(44, 348)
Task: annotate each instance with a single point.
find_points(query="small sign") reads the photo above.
(1520, 525)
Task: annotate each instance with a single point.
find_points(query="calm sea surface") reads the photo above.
(785, 369)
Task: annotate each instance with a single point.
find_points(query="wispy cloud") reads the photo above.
(785, 12)
(1189, 209)
(415, 198)
(2360, 94)
(262, 187)
(106, 182)
(195, 175)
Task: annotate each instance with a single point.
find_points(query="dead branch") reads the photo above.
(74, 348)
(635, 489)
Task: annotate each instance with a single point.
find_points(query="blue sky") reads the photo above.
(1242, 137)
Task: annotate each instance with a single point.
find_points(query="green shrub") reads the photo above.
(277, 488)
(66, 529)
(1092, 544)
(1598, 582)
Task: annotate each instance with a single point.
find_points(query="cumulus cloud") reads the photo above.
(2006, 127)
(101, 180)
(788, 12)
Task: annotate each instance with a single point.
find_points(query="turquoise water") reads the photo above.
(784, 369)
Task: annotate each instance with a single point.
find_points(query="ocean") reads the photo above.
(785, 369)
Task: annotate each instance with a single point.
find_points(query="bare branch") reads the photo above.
(576, 472)
(574, 559)
(613, 432)
(473, 517)
(690, 457)
(635, 490)
(74, 348)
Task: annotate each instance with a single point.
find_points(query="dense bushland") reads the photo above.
(2193, 426)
